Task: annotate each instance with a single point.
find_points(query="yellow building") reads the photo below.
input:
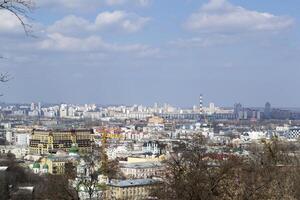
(146, 159)
(55, 165)
(134, 189)
(155, 120)
(51, 165)
(50, 141)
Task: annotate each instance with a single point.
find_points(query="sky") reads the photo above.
(147, 51)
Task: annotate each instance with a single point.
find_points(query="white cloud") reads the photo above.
(70, 24)
(125, 21)
(91, 44)
(221, 17)
(123, 2)
(116, 21)
(59, 42)
(81, 5)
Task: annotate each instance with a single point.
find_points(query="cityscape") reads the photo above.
(136, 141)
(149, 100)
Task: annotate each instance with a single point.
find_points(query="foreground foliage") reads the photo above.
(271, 171)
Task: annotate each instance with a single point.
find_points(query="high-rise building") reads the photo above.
(237, 108)
(32, 106)
(39, 107)
(267, 111)
(63, 111)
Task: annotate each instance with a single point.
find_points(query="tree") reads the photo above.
(20, 9)
(50, 187)
(54, 187)
(269, 173)
(14, 176)
(88, 179)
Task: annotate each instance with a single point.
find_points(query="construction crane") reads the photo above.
(107, 134)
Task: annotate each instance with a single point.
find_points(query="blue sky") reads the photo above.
(146, 51)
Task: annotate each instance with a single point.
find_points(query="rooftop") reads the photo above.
(141, 165)
(132, 182)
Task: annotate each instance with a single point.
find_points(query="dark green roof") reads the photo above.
(45, 166)
(73, 149)
(36, 165)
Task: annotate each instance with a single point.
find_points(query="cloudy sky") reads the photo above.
(146, 51)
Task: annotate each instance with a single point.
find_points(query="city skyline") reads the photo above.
(159, 104)
(142, 51)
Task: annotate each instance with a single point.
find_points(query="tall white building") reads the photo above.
(22, 139)
(63, 111)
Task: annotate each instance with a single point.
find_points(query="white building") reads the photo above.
(22, 139)
(253, 135)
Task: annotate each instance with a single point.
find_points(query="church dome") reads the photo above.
(36, 165)
(73, 149)
(45, 166)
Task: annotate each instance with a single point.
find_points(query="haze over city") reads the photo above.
(146, 51)
(149, 99)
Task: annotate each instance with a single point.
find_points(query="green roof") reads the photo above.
(73, 149)
(45, 166)
(36, 165)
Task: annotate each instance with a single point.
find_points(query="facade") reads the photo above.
(152, 147)
(22, 139)
(56, 164)
(267, 111)
(49, 165)
(50, 141)
(134, 189)
(18, 151)
(155, 120)
(142, 169)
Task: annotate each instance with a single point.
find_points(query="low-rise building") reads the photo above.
(18, 151)
(134, 189)
(141, 169)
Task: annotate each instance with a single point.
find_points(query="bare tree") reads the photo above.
(20, 9)
(88, 180)
(54, 187)
(192, 173)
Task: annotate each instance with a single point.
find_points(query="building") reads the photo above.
(155, 120)
(22, 139)
(134, 189)
(253, 135)
(152, 148)
(50, 141)
(146, 159)
(141, 169)
(238, 109)
(56, 164)
(267, 111)
(63, 111)
(18, 151)
(280, 114)
(51, 164)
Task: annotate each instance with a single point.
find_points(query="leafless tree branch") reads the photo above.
(20, 9)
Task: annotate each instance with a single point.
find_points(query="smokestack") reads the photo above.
(201, 103)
